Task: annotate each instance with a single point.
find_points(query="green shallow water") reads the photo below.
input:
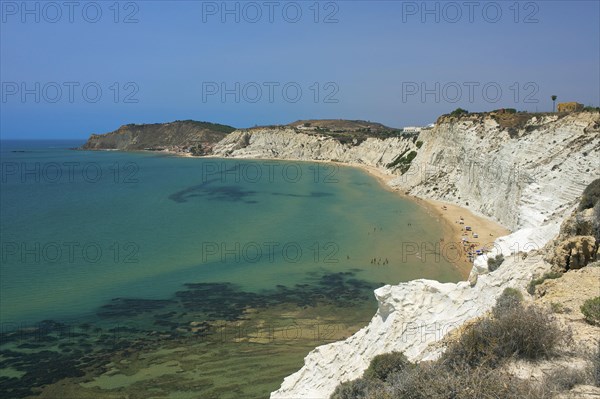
(131, 261)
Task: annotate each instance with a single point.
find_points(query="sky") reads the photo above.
(69, 69)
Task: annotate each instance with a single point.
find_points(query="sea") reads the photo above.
(144, 274)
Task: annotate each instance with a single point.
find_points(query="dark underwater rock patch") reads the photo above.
(86, 347)
(127, 307)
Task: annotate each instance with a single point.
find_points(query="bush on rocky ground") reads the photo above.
(470, 367)
(514, 330)
(537, 281)
(383, 365)
(591, 310)
(494, 263)
(361, 388)
(509, 299)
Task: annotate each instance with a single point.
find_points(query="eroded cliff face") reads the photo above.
(289, 143)
(528, 176)
(412, 318)
(523, 177)
(523, 174)
(578, 242)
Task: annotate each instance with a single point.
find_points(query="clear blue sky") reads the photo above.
(372, 58)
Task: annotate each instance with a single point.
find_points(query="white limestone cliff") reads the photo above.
(527, 177)
(522, 181)
(411, 316)
(287, 143)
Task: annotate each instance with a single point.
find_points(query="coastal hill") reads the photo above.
(198, 138)
(190, 136)
(340, 124)
(346, 131)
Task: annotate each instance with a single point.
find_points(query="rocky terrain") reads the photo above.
(345, 131)
(287, 143)
(196, 138)
(521, 176)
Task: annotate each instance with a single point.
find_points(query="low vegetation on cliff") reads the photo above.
(591, 310)
(473, 364)
(187, 136)
(515, 123)
(403, 161)
(351, 132)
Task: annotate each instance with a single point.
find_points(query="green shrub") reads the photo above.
(361, 388)
(475, 347)
(494, 263)
(510, 298)
(591, 310)
(197, 150)
(535, 282)
(529, 332)
(411, 155)
(383, 365)
(403, 161)
(470, 366)
(419, 144)
(515, 330)
(434, 381)
(458, 112)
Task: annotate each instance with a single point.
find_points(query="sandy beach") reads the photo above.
(461, 228)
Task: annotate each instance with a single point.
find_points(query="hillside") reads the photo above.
(196, 138)
(346, 131)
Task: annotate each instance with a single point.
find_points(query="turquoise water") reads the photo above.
(72, 238)
(114, 264)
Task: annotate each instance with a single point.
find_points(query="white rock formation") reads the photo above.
(528, 180)
(525, 181)
(411, 317)
(287, 143)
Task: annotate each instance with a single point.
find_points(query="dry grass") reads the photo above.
(471, 367)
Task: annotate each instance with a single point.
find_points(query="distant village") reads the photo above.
(417, 129)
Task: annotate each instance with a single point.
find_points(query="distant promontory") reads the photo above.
(196, 138)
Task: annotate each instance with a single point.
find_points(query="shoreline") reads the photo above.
(448, 215)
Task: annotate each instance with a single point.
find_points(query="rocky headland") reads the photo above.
(184, 137)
